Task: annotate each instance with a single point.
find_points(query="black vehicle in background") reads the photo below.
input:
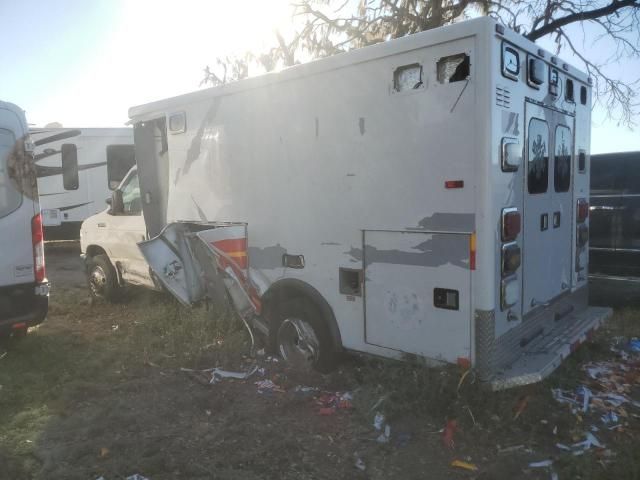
(614, 224)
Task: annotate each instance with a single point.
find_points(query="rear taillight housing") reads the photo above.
(509, 292)
(37, 241)
(510, 258)
(582, 210)
(510, 224)
(582, 235)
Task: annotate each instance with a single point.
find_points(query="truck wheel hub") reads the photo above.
(298, 343)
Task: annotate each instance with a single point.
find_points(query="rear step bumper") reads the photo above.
(546, 352)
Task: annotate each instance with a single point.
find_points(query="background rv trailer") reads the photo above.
(24, 289)
(428, 195)
(77, 170)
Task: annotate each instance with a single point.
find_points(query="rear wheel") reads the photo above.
(102, 278)
(302, 336)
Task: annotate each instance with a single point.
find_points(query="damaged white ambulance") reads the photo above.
(425, 196)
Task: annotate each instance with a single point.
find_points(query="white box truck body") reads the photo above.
(425, 196)
(24, 289)
(77, 170)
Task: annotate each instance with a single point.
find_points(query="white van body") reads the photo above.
(425, 195)
(77, 170)
(114, 234)
(24, 290)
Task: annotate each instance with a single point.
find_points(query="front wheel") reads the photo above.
(302, 337)
(103, 281)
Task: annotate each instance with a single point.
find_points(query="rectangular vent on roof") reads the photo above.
(503, 97)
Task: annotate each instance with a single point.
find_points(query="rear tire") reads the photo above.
(302, 337)
(102, 278)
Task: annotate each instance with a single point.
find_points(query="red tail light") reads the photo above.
(37, 240)
(510, 258)
(510, 224)
(583, 210)
(582, 236)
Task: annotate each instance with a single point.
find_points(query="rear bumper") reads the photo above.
(544, 354)
(23, 305)
(535, 347)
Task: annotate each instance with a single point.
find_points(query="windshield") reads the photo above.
(10, 197)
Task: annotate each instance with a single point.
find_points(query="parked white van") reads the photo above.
(24, 289)
(108, 242)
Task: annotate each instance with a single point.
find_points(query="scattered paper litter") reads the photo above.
(465, 465)
(541, 464)
(378, 421)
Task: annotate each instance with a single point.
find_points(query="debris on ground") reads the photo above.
(581, 447)
(305, 391)
(520, 406)
(378, 421)
(360, 464)
(465, 465)
(216, 375)
(448, 433)
(137, 476)
(385, 436)
(330, 402)
(267, 386)
(511, 449)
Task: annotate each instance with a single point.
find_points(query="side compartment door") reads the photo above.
(536, 289)
(417, 293)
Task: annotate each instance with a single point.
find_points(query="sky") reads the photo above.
(84, 63)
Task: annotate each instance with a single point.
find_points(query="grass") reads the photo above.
(85, 348)
(413, 390)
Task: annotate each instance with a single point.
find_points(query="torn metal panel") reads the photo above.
(170, 258)
(228, 244)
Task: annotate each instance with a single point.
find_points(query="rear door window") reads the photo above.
(562, 159)
(538, 156)
(10, 197)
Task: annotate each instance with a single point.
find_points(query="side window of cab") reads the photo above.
(131, 196)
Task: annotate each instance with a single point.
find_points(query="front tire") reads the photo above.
(302, 336)
(102, 278)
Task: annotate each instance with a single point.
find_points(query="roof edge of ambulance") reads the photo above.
(414, 41)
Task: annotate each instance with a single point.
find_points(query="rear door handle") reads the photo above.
(556, 219)
(544, 222)
(102, 225)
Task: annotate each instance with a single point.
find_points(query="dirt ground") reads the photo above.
(98, 391)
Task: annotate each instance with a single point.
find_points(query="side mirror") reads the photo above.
(108, 201)
(117, 203)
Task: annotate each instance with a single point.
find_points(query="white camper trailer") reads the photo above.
(77, 170)
(424, 196)
(24, 289)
